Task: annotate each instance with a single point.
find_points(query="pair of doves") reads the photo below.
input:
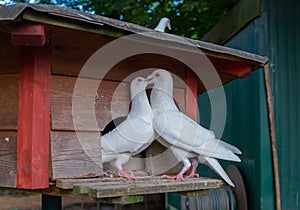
(190, 143)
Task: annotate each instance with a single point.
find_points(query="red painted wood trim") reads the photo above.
(233, 68)
(191, 95)
(33, 145)
(28, 34)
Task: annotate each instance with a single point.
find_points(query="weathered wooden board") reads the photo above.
(149, 185)
(8, 101)
(68, 184)
(111, 101)
(151, 61)
(153, 187)
(75, 154)
(8, 155)
(72, 49)
(91, 114)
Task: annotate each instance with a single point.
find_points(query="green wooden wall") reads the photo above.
(247, 122)
(276, 34)
(283, 36)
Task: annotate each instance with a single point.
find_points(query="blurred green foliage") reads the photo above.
(189, 18)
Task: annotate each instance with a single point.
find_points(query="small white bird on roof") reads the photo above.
(186, 138)
(134, 134)
(163, 24)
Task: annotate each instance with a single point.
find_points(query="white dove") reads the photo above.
(134, 134)
(186, 138)
(163, 24)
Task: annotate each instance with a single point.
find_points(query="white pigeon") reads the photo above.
(163, 24)
(186, 138)
(134, 134)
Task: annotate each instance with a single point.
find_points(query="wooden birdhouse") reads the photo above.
(63, 81)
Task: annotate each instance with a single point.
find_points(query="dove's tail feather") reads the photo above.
(223, 153)
(230, 147)
(216, 150)
(215, 165)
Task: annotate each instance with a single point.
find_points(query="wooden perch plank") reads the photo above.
(9, 102)
(8, 155)
(75, 155)
(84, 188)
(70, 183)
(33, 118)
(151, 187)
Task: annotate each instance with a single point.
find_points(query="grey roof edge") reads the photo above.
(12, 12)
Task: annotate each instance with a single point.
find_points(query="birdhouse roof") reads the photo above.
(230, 63)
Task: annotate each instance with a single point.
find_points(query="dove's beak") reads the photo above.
(169, 26)
(149, 79)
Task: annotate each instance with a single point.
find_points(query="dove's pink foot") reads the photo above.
(127, 175)
(192, 173)
(192, 170)
(178, 177)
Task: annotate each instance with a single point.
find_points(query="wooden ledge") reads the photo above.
(118, 187)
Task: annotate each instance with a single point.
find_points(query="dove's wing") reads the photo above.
(114, 143)
(129, 136)
(181, 131)
(113, 124)
(145, 135)
(136, 130)
(176, 126)
(144, 146)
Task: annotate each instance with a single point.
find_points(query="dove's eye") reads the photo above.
(139, 80)
(157, 75)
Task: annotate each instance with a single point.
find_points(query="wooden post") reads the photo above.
(191, 95)
(33, 107)
(273, 136)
